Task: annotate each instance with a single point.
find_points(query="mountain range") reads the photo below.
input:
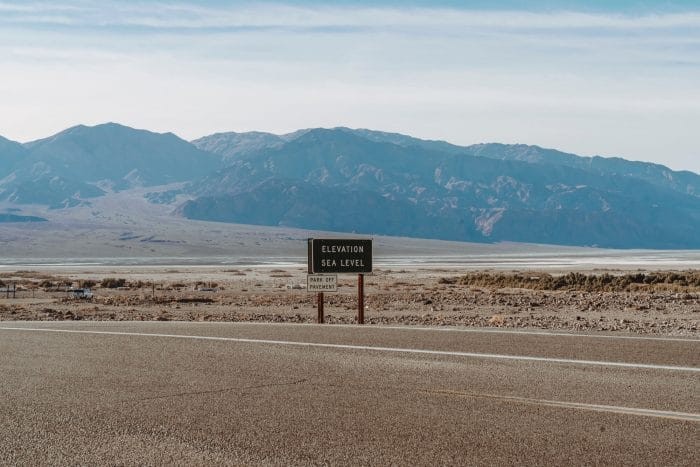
(364, 181)
(85, 162)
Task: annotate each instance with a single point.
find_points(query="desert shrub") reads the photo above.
(447, 280)
(112, 283)
(88, 284)
(586, 282)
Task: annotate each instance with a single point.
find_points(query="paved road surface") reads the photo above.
(226, 393)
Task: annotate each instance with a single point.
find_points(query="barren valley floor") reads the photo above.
(412, 296)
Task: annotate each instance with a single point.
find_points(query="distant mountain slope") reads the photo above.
(11, 153)
(368, 182)
(22, 182)
(232, 145)
(54, 191)
(326, 156)
(11, 218)
(292, 204)
(682, 181)
(341, 180)
(122, 155)
(63, 170)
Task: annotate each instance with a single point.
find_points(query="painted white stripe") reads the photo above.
(370, 348)
(689, 340)
(543, 333)
(380, 327)
(691, 417)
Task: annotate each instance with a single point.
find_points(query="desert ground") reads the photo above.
(143, 263)
(648, 302)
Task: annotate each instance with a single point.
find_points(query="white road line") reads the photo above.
(370, 348)
(474, 330)
(692, 417)
(380, 327)
(542, 333)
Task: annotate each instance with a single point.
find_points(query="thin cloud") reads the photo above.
(193, 16)
(604, 82)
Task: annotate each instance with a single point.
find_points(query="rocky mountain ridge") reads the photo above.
(232, 145)
(365, 181)
(84, 162)
(340, 179)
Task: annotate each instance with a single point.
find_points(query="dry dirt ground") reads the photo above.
(429, 297)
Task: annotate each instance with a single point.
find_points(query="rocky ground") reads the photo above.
(429, 297)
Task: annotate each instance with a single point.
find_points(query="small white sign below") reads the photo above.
(322, 283)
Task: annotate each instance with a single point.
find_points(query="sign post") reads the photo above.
(321, 283)
(319, 304)
(360, 299)
(338, 256)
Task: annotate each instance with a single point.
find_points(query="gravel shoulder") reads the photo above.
(419, 296)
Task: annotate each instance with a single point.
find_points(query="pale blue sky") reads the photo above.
(596, 77)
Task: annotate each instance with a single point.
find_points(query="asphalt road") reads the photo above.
(227, 393)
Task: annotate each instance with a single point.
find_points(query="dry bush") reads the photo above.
(674, 281)
(194, 300)
(497, 320)
(447, 280)
(113, 283)
(235, 272)
(33, 275)
(48, 285)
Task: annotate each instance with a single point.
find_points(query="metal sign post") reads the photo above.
(321, 283)
(360, 299)
(319, 304)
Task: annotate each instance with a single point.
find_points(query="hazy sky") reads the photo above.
(591, 77)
